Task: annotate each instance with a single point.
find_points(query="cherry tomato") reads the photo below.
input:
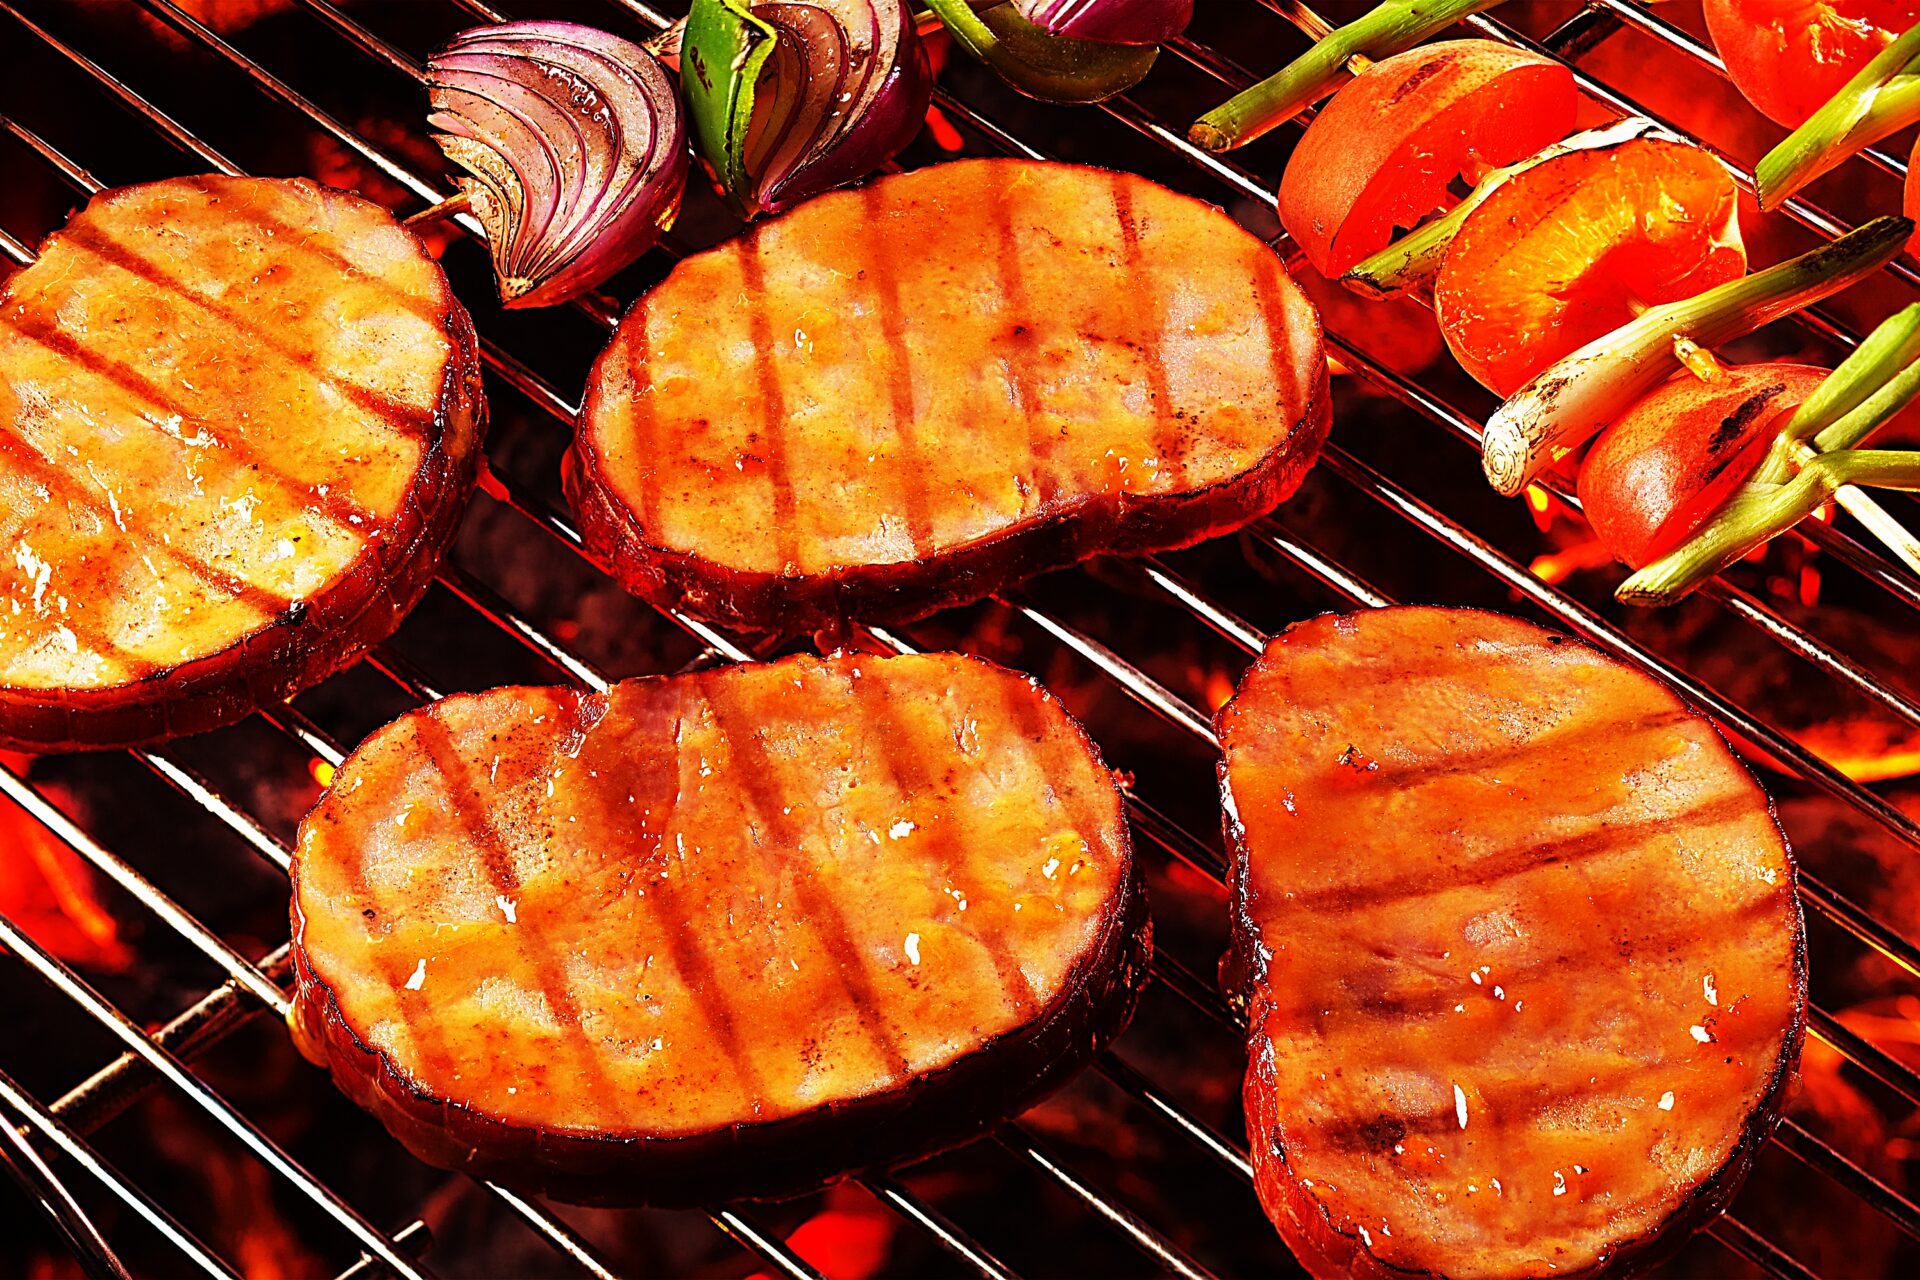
(1789, 56)
(1654, 476)
(1572, 248)
(1384, 151)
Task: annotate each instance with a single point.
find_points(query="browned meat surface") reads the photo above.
(239, 419)
(713, 935)
(910, 395)
(1524, 958)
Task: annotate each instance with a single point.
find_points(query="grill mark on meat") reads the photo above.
(338, 508)
(913, 467)
(823, 914)
(1270, 284)
(773, 404)
(409, 420)
(1418, 1006)
(496, 860)
(1017, 347)
(907, 768)
(1146, 323)
(1504, 864)
(645, 426)
(423, 1032)
(295, 238)
(1026, 716)
(708, 990)
(1487, 758)
(30, 460)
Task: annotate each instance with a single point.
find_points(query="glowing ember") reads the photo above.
(1560, 565)
(47, 891)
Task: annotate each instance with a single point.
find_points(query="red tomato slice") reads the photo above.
(1654, 476)
(1789, 56)
(1568, 250)
(1910, 194)
(1382, 153)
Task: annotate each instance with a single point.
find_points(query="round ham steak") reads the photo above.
(1520, 944)
(908, 396)
(239, 420)
(727, 934)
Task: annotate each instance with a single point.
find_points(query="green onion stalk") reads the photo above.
(1883, 98)
(1877, 381)
(1584, 392)
(1412, 263)
(1380, 33)
(1873, 364)
(1762, 512)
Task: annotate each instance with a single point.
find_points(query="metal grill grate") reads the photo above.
(61, 1129)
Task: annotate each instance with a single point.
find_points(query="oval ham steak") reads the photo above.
(725, 934)
(1523, 953)
(239, 420)
(910, 395)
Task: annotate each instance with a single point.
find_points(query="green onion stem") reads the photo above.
(1396, 25)
(1761, 512)
(1892, 346)
(1585, 391)
(1412, 263)
(1881, 99)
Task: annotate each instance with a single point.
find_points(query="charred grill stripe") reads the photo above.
(342, 510)
(908, 769)
(303, 239)
(913, 466)
(1425, 72)
(1421, 1005)
(1270, 289)
(709, 992)
(1503, 864)
(412, 421)
(30, 460)
(1148, 320)
(773, 404)
(645, 427)
(1486, 758)
(829, 924)
(1018, 345)
(549, 973)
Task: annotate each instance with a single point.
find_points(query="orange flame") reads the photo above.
(47, 890)
(1560, 565)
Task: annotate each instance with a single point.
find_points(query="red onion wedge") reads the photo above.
(574, 147)
(1109, 21)
(791, 98)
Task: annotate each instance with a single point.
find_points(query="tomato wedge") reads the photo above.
(1384, 151)
(1789, 56)
(1572, 248)
(1654, 476)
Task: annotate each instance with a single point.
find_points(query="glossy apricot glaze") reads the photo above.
(908, 395)
(1525, 961)
(239, 419)
(730, 933)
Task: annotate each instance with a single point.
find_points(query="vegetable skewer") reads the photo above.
(1559, 409)
(1882, 98)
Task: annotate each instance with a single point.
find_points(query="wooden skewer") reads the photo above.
(452, 206)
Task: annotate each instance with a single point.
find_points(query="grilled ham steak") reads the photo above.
(239, 419)
(907, 396)
(716, 935)
(1523, 955)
